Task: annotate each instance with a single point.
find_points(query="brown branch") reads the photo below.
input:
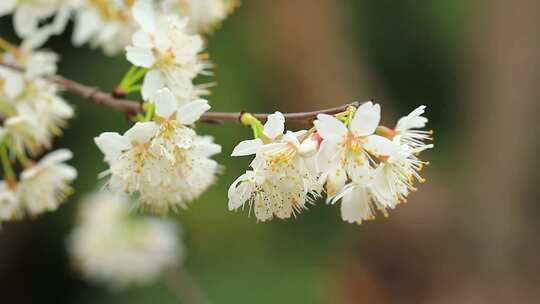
(132, 107)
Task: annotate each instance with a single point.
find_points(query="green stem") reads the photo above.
(6, 163)
(130, 79)
(18, 154)
(132, 89)
(139, 74)
(149, 109)
(126, 79)
(257, 127)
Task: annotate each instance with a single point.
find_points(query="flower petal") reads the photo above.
(151, 84)
(141, 132)
(165, 103)
(356, 206)
(335, 181)
(87, 23)
(274, 126)
(291, 138)
(191, 112)
(111, 144)
(7, 6)
(330, 127)
(140, 56)
(247, 147)
(143, 13)
(14, 85)
(26, 20)
(381, 146)
(328, 156)
(382, 189)
(262, 208)
(56, 156)
(414, 120)
(240, 191)
(366, 119)
(142, 39)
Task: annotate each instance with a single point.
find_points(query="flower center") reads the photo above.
(140, 152)
(109, 11)
(165, 58)
(168, 128)
(355, 144)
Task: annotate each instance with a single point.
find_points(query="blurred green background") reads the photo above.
(470, 235)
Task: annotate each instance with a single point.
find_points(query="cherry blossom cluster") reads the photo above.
(163, 162)
(32, 113)
(162, 151)
(107, 24)
(366, 166)
(159, 164)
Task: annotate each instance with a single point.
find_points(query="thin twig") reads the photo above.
(132, 107)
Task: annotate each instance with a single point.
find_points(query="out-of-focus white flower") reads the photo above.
(28, 16)
(103, 23)
(204, 15)
(35, 115)
(345, 150)
(110, 246)
(35, 63)
(165, 162)
(11, 85)
(25, 132)
(168, 51)
(32, 107)
(282, 181)
(39, 64)
(45, 185)
(9, 203)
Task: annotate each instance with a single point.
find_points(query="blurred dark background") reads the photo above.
(470, 235)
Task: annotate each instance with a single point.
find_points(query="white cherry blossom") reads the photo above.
(346, 149)
(282, 181)
(132, 163)
(29, 15)
(392, 169)
(407, 129)
(35, 115)
(204, 15)
(165, 162)
(32, 107)
(105, 24)
(112, 247)
(189, 170)
(11, 85)
(168, 51)
(45, 185)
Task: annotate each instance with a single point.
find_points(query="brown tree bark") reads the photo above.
(501, 128)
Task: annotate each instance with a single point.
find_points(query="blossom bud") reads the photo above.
(309, 146)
